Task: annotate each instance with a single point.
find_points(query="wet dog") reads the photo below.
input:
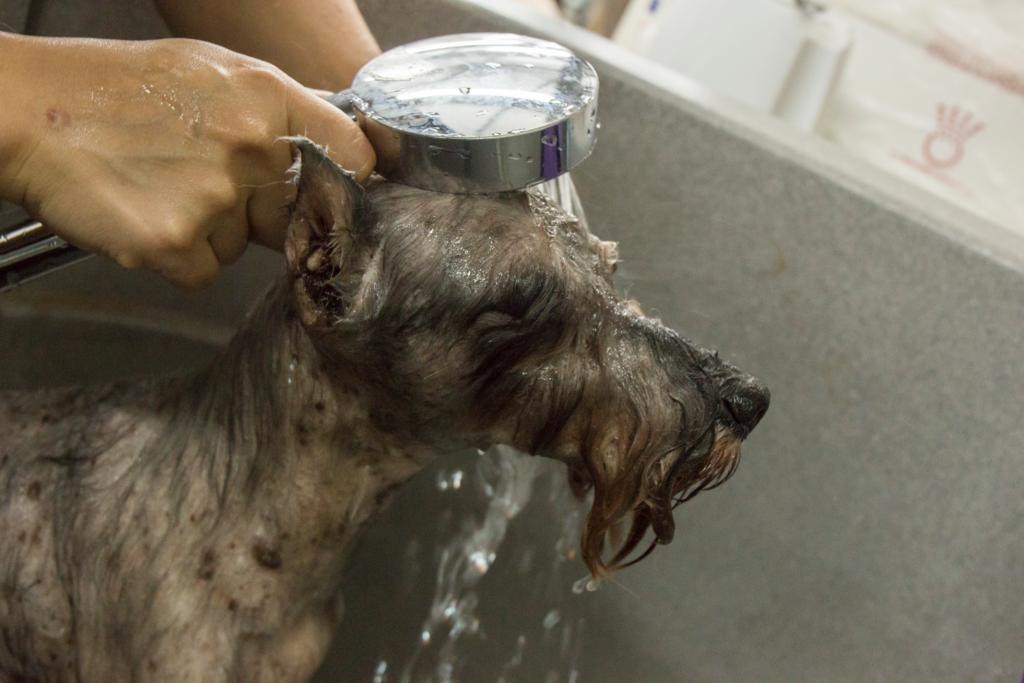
(195, 529)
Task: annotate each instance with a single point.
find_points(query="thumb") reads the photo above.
(325, 124)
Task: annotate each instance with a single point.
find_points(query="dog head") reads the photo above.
(483, 319)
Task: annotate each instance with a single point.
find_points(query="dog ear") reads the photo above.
(325, 218)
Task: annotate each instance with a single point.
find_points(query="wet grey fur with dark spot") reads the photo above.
(195, 529)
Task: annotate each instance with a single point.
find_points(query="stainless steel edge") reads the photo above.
(480, 165)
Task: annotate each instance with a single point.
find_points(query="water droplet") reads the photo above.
(425, 637)
(481, 561)
(528, 66)
(551, 619)
(445, 481)
(515, 156)
(549, 140)
(380, 672)
(464, 90)
(587, 584)
(529, 160)
(293, 365)
(598, 125)
(493, 65)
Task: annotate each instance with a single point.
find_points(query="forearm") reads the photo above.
(17, 110)
(320, 43)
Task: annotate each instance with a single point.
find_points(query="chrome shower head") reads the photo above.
(476, 112)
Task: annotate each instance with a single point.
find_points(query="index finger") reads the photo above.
(325, 124)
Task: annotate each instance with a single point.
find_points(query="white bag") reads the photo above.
(906, 105)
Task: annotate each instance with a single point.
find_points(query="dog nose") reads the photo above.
(747, 402)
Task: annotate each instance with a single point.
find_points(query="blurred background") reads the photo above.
(929, 90)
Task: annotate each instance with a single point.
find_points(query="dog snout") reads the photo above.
(746, 402)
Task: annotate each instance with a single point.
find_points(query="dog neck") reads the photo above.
(278, 432)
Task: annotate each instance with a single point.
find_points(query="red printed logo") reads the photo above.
(943, 148)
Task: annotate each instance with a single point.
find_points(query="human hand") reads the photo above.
(164, 154)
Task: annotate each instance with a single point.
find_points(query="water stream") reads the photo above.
(501, 484)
